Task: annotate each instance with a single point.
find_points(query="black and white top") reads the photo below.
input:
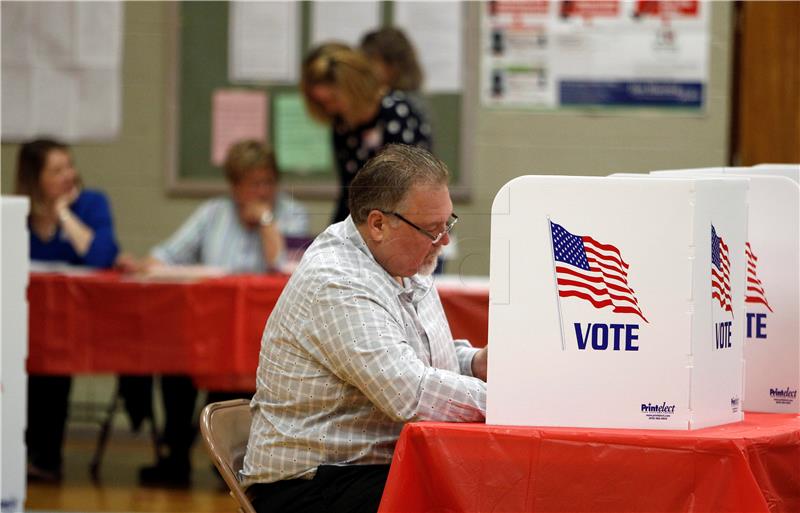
(399, 121)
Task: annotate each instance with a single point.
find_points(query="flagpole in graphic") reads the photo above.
(555, 280)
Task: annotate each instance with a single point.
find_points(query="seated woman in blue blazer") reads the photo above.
(71, 225)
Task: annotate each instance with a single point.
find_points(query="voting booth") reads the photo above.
(14, 345)
(772, 297)
(790, 171)
(617, 302)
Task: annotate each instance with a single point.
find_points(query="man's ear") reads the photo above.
(376, 223)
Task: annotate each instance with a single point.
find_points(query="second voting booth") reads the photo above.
(617, 302)
(772, 296)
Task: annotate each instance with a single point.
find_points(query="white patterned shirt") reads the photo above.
(347, 357)
(213, 235)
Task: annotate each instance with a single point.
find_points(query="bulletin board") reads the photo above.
(201, 67)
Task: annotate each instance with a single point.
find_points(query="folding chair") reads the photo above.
(225, 427)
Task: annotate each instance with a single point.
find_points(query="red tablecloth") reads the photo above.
(210, 329)
(750, 466)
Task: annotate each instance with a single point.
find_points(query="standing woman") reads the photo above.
(394, 58)
(67, 224)
(341, 88)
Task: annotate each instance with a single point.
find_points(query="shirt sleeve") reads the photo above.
(364, 344)
(103, 249)
(183, 247)
(465, 352)
(292, 218)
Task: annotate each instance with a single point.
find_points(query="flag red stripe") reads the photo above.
(587, 297)
(605, 247)
(627, 309)
(721, 290)
(574, 283)
(761, 300)
(610, 272)
(596, 279)
(607, 258)
(573, 272)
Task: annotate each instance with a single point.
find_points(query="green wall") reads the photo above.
(505, 143)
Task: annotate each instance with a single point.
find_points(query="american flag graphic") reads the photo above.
(755, 290)
(592, 271)
(720, 272)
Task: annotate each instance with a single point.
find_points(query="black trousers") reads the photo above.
(334, 489)
(179, 395)
(48, 405)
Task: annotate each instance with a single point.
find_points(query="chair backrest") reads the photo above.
(226, 427)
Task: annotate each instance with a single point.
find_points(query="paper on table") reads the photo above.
(435, 29)
(42, 266)
(301, 145)
(236, 115)
(459, 282)
(343, 21)
(180, 273)
(263, 41)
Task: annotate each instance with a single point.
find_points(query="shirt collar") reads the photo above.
(413, 289)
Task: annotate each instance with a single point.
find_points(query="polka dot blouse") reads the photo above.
(399, 121)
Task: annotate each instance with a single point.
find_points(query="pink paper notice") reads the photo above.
(236, 115)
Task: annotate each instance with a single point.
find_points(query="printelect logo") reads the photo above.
(783, 395)
(661, 411)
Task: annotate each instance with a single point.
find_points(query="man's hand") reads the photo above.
(479, 363)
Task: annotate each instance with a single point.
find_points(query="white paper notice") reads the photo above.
(55, 39)
(61, 70)
(436, 30)
(16, 43)
(263, 41)
(17, 93)
(98, 27)
(53, 109)
(236, 115)
(552, 55)
(343, 21)
(98, 97)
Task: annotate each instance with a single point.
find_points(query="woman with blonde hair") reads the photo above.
(342, 88)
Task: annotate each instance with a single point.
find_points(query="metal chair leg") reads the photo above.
(102, 437)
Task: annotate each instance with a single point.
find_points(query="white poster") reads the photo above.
(264, 41)
(61, 70)
(436, 30)
(345, 22)
(550, 54)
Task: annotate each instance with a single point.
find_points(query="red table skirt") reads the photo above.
(209, 329)
(750, 466)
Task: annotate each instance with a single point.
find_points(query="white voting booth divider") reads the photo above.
(602, 308)
(14, 322)
(790, 171)
(772, 300)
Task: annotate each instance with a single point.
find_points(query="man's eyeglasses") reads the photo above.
(434, 238)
